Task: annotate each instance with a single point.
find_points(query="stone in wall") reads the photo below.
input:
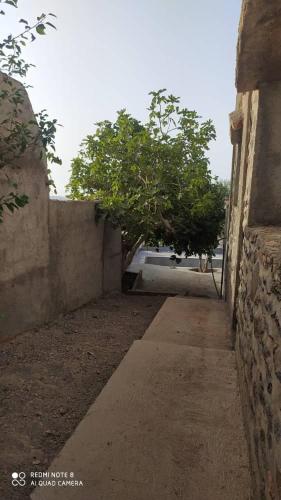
(259, 355)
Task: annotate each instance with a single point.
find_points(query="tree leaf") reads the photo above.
(50, 24)
(41, 29)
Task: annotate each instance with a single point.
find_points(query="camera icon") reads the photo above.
(18, 478)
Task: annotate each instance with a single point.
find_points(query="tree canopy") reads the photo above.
(17, 135)
(153, 179)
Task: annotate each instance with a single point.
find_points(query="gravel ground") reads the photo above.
(51, 375)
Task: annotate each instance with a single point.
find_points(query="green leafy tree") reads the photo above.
(153, 179)
(16, 134)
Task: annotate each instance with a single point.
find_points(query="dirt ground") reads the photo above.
(51, 375)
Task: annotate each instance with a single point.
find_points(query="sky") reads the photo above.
(109, 54)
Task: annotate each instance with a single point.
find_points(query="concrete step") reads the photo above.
(195, 322)
(167, 426)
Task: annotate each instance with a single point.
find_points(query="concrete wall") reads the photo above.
(85, 257)
(53, 255)
(24, 239)
(76, 254)
(112, 259)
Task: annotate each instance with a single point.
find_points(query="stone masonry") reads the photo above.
(259, 354)
(253, 261)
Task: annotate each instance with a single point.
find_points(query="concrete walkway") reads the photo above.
(173, 279)
(180, 281)
(168, 424)
(194, 322)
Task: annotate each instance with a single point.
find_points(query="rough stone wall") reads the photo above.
(243, 162)
(253, 281)
(259, 355)
(253, 276)
(53, 255)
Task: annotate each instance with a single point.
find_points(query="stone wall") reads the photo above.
(252, 286)
(247, 107)
(253, 262)
(53, 255)
(259, 355)
(259, 44)
(256, 173)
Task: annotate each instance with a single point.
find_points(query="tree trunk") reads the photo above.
(200, 263)
(203, 267)
(128, 253)
(206, 265)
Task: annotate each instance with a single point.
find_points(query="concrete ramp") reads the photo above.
(167, 426)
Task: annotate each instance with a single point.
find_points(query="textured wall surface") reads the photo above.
(24, 238)
(265, 206)
(82, 261)
(53, 255)
(85, 257)
(253, 262)
(76, 254)
(259, 44)
(242, 168)
(259, 355)
(112, 259)
(253, 287)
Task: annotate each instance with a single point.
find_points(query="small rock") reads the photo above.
(90, 353)
(38, 414)
(48, 432)
(62, 411)
(36, 462)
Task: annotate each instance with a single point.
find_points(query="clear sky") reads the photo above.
(109, 54)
